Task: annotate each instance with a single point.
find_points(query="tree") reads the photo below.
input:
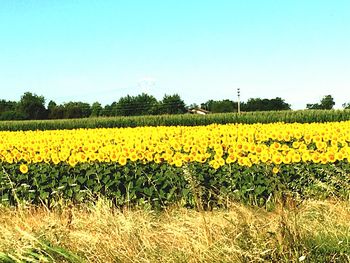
(257, 104)
(96, 109)
(109, 110)
(32, 106)
(126, 106)
(207, 105)
(326, 103)
(146, 104)
(76, 110)
(219, 106)
(55, 111)
(314, 106)
(7, 105)
(193, 106)
(172, 104)
(51, 109)
(142, 104)
(8, 111)
(346, 106)
(51, 105)
(12, 115)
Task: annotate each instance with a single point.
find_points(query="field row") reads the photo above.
(217, 145)
(300, 116)
(158, 166)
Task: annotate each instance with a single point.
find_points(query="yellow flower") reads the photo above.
(315, 157)
(339, 156)
(114, 157)
(258, 149)
(276, 159)
(242, 144)
(178, 163)
(287, 159)
(38, 158)
(55, 160)
(231, 158)
(296, 158)
(275, 170)
(296, 144)
(133, 157)
(122, 160)
(331, 157)
(216, 165)
(276, 145)
(81, 157)
(324, 159)
(23, 168)
(72, 161)
(92, 156)
(264, 157)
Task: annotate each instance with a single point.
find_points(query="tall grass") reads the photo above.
(301, 116)
(313, 231)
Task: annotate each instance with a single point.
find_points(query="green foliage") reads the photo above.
(160, 185)
(346, 106)
(172, 104)
(136, 105)
(12, 115)
(32, 106)
(257, 104)
(43, 251)
(220, 106)
(96, 109)
(76, 110)
(109, 110)
(302, 116)
(326, 103)
(55, 111)
(253, 104)
(6, 106)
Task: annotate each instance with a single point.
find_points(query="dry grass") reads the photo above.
(316, 230)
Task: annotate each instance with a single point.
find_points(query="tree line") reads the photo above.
(32, 107)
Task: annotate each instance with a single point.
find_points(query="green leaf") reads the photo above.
(44, 195)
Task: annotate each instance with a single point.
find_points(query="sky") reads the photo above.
(79, 50)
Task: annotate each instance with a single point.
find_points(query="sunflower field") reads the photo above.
(159, 166)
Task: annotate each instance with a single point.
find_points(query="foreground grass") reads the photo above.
(313, 231)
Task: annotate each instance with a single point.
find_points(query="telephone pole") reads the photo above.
(239, 102)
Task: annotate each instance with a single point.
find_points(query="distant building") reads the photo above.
(198, 111)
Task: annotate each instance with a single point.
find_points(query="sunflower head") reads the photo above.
(23, 168)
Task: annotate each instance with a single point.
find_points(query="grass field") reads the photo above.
(311, 231)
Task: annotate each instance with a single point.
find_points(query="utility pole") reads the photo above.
(239, 102)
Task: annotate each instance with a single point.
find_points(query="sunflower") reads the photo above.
(287, 159)
(122, 160)
(23, 168)
(275, 170)
(276, 159)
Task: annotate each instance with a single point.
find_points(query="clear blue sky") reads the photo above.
(89, 50)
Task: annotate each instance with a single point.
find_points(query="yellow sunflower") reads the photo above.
(23, 168)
